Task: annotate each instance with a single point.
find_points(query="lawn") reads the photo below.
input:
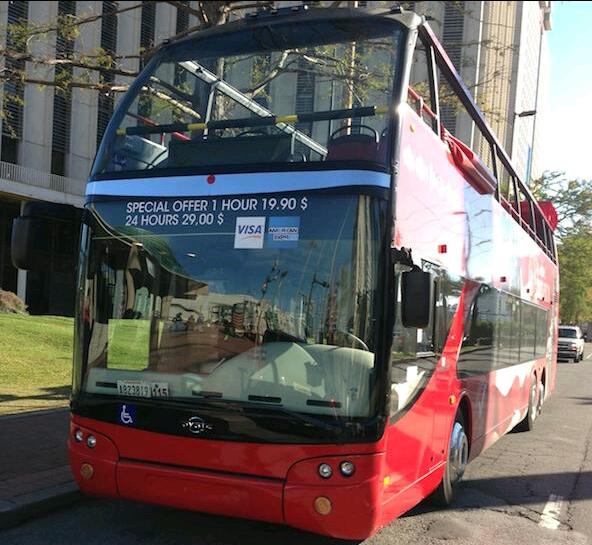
(35, 362)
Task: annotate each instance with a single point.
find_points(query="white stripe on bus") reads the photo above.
(236, 184)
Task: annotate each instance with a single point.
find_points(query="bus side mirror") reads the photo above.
(417, 288)
(33, 233)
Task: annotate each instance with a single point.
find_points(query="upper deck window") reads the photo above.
(285, 93)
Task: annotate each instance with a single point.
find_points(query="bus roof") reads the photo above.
(296, 14)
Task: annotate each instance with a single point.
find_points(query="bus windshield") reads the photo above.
(275, 309)
(262, 96)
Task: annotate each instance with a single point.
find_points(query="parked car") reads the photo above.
(571, 343)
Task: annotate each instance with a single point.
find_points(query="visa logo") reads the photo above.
(250, 230)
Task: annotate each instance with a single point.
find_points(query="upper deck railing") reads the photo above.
(528, 218)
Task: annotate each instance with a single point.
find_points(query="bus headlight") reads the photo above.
(325, 471)
(91, 441)
(347, 468)
(78, 436)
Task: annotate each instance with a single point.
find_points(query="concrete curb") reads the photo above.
(29, 414)
(18, 510)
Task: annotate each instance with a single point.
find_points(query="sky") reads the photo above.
(569, 138)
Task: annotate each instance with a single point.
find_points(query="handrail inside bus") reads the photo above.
(422, 106)
(225, 88)
(267, 121)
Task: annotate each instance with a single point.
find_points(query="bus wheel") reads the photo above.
(458, 458)
(533, 408)
(541, 399)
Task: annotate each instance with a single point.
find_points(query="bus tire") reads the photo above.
(458, 458)
(527, 424)
(541, 399)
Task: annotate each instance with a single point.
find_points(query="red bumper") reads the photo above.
(355, 502)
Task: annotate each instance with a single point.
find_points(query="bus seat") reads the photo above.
(352, 146)
(382, 153)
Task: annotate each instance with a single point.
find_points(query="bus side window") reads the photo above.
(528, 328)
(542, 327)
(481, 311)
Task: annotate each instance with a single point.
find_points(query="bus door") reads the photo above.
(447, 338)
(410, 433)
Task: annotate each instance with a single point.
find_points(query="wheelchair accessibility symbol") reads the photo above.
(127, 414)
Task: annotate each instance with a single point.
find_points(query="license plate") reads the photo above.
(159, 389)
(134, 388)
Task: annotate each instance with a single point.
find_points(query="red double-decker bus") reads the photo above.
(302, 298)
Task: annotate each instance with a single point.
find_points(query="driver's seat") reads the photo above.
(352, 147)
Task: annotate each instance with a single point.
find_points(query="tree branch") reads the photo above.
(78, 21)
(6, 75)
(28, 57)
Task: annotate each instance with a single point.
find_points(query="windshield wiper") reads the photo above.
(309, 420)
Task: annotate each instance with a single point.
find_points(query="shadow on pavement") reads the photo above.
(52, 393)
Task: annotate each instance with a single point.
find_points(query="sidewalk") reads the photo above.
(34, 472)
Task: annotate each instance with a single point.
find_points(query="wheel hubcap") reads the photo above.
(459, 452)
(532, 405)
(541, 398)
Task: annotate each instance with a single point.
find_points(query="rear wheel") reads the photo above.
(541, 398)
(458, 458)
(533, 408)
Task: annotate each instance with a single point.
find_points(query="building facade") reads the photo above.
(501, 51)
(49, 136)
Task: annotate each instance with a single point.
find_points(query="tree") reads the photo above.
(573, 200)
(575, 269)
(97, 71)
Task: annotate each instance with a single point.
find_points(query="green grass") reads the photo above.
(129, 344)
(35, 362)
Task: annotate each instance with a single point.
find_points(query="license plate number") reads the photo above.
(133, 388)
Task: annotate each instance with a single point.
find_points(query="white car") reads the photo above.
(571, 343)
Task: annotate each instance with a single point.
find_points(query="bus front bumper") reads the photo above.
(341, 507)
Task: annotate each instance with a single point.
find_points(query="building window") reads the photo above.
(452, 40)
(305, 95)
(8, 274)
(14, 90)
(109, 46)
(147, 31)
(181, 26)
(10, 147)
(62, 97)
(182, 17)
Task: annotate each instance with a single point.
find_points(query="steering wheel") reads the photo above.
(355, 339)
(373, 131)
(297, 157)
(153, 163)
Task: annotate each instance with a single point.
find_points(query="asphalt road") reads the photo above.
(529, 488)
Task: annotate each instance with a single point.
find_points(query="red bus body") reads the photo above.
(280, 483)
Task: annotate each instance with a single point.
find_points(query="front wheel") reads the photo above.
(458, 458)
